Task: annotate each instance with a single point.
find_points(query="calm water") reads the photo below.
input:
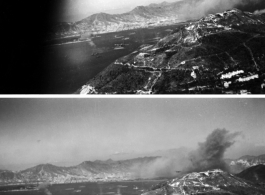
(67, 67)
(110, 188)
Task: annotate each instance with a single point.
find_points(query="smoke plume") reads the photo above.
(44, 187)
(161, 167)
(88, 37)
(210, 153)
(194, 9)
(168, 164)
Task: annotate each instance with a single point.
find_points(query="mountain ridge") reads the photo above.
(85, 171)
(139, 17)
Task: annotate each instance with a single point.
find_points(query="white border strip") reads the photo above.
(131, 96)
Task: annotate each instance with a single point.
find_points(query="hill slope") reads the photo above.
(220, 53)
(209, 182)
(255, 174)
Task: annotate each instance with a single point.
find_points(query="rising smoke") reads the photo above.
(44, 187)
(194, 9)
(88, 37)
(161, 167)
(210, 154)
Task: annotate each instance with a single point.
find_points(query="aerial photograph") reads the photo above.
(132, 146)
(133, 47)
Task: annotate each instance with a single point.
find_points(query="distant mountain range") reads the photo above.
(140, 13)
(86, 171)
(155, 14)
(139, 17)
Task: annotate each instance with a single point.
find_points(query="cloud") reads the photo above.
(194, 9)
(210, 154)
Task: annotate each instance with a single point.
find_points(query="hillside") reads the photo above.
(7, 176)
(255, 174)
(209, 182)
(221, 53)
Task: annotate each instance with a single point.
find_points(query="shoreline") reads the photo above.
(110, 181)
(109, 32)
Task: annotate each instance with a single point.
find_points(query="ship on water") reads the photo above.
(118, 37)
(119, 46)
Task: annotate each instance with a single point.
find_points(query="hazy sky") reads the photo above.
(75, 10)
(36, 131)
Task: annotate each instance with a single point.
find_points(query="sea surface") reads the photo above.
(69, 66)
(104, 188)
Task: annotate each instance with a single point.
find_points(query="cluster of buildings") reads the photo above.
(103, 177)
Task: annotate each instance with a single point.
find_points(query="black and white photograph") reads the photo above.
(133, 47)
(132, 146)
(132, 97)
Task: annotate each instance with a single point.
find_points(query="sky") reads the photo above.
(70, 131)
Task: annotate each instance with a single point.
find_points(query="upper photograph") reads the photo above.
(136, 47)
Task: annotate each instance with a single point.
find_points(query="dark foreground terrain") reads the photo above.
(208, 183)
(218, 54)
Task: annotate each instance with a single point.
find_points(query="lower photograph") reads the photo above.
(132, 146)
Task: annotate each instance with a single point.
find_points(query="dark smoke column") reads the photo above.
(210, 153)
